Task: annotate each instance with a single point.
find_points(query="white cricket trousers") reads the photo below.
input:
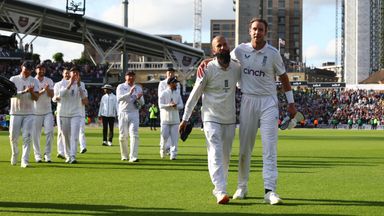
(169, 134)
(25, 124)
(129, 126)
(60, 142)
(47, 122)
(258, 112)
(82, 141)
(219, 138)
(70, 127)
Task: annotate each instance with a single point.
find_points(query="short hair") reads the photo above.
(130, 73)
(74, 68)
(171, 69)
(256, 19)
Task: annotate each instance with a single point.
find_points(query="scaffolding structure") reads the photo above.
(376, 35)
(197, 24)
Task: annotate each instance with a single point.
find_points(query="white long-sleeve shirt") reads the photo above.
(85, 95)
(43, 104)
(169, 114)
(56, 98)
(70, 99)
(22, 103)
(217, 87)
(126, 100)
(108, 105)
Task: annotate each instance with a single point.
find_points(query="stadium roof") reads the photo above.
(34, 19)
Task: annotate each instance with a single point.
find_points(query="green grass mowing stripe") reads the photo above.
(321, 172)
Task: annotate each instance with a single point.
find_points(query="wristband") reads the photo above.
(289, 96)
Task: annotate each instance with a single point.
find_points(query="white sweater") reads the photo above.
(217, 87)
(22, 103)
(169, 114)
(70, 99)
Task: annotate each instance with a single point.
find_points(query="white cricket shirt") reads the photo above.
(43, 104)
(259, 68)
(125, 100)
(168, 114)
(217, 87)
(22, 104)
(70, 99)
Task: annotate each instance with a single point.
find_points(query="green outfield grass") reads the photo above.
(321, 172)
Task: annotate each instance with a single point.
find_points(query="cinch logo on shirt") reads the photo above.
(252, 72)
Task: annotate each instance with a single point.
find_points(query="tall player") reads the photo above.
(71, 93)
(129, 97)
(260, 64)
(44, 116)
(22, 113)
(170, 102)
(82, 141)
(163, 85)
(56, 98)
(218, 86)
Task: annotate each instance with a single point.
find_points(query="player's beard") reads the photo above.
(223, 57)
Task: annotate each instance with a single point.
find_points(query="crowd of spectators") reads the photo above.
(321, 107)
(332, 107)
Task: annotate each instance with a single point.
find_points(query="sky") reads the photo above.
(176, 17)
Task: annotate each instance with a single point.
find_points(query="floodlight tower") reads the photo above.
(339, 42)
(197, 20)
(124, 60)
(337, 34)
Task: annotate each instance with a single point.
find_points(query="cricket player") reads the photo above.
(163, 85)
(129, 99)
(170, 102)
(56, 98)
(71, 94)
(22, 113)
(82, 141)
(217, 85)
(43, 115)
(260, 64)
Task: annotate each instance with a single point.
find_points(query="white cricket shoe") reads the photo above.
(222, 198)
(24, 165)
(13, 160)
(240, 194)
(109, 143)
(272, 198)
(67, 160)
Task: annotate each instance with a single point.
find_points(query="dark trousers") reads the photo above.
(152, 123)
(108, 121)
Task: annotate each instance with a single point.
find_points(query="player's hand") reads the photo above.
(132, 90)
(182, 126)
(172, 104)
(29, 88)
(292, 110)
(203, 65)
(139, 95)
(72, 80)
(78, 80)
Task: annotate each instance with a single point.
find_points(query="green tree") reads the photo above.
(35, 57)
(82, 60)
(58, 57)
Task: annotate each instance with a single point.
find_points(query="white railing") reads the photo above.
(145, 65)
